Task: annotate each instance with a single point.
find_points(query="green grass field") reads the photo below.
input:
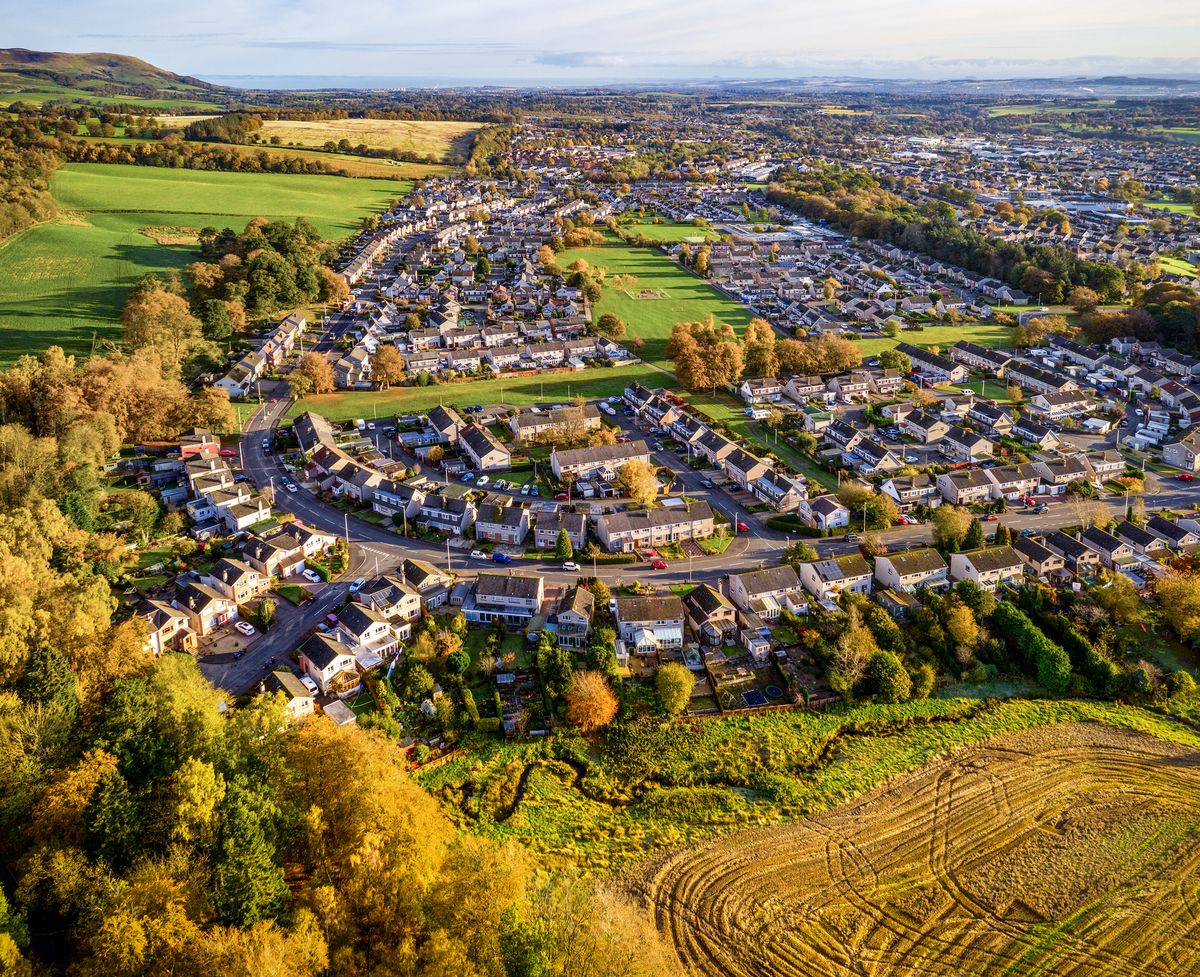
(521, 391)
(686, 298)
(64, 282)
(671, 232)
(1179, 267)
(1184, 134)
(988, 334)
(1171, 206)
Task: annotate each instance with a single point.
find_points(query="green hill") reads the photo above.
(44, 76)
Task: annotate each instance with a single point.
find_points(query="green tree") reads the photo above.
(113, 822)
(888, 677)
(799, 552)
(674, 684)
(249, 886)
(975, 537)
(564, 549)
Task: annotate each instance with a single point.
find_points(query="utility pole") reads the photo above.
(448, 570)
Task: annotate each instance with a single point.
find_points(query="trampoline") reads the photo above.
(773, 692)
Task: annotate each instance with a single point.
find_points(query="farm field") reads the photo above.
(649, 789)
(1184, 134)
(522, 391)
(1062, 850)
(682, 297)
(439, 139)
(64, 282)
(1179, 267)
(1049, 108)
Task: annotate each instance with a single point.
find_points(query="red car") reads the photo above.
(743, 528)
(1185, 477)
(989, 518)
(227, 453)
(658, 565)
(561, 497)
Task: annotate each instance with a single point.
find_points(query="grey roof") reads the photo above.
(662, 608)
(619, 522)
(992, 558)
(519, 586)
(769, 580)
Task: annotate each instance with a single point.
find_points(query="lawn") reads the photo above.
(64, 282)
(1183, 134)
(1172, 205)
(1178, 266)
(685, 297)
(945, 335)
(670, 232)
(518, 391)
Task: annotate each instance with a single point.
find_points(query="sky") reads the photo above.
(572, 42)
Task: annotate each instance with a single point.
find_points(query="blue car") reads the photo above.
(501, 558)
(467, 476)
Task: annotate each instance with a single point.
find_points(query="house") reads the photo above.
(931, 366)
(1044, 562)
(713, 447)
(824, 512)
(572, 618)
(912, 570)
(743, 468)
(1079, 558)
(570, 423)
(1037, 380)
(446, 513)
(1176, 536)
(1142, 541)
(872, 458)
(992, 418)
(1113, 550)
(548, 524)
(768, 591)
(990, 361)
(1012, 482)
(990, 567)
(167, 628)
(924, 427)
(368, 632)
(648, 625)
(430, 582)
(446, 423)
(508, 524)
(603, 461)
(710, 614)
(843, 434)
(1058, 473)
(910, 491)
(1105, 465)
(238, 581)
(829, 579)
(625, 532)
(765, 391)
(485, 452)
(330, 664)
(206, 609)
(959, 444)
(781, 492)
(965, 486)
(1184, 453)
(1035, 432)
(393, 498)
(803, 389)
(299, 700)
(509, 598)
(396, 599)
(1060, 403)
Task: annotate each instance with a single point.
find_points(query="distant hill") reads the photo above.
(43, 76)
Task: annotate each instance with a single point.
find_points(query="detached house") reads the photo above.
(238, 581)
(207, 609)
(959, 444)
(330, 664)
(965, 486)
(924, 427)
(167, 627)
(912, 570)
(547, 526)
(397, 600)
(743, 468)
(824, 512)
(1184, 453)
(648, 625)
(768, 591)
(909, 491)
(510, 598)
(573, 618)
(990, 567)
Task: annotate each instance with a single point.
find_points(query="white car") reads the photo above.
(292, 487)
(572, 566)
(911, 459)
(311, 576)
(482, 480)
(370, 425)
(478, 555)
(246, 628)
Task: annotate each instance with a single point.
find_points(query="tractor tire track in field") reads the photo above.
(1066, 850)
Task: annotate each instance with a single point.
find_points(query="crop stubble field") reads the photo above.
(1066, 850)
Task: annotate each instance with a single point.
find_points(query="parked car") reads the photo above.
(706, 482)
(1039, 509)
(246, 628)
(911, 459)
(227, 453)
(311, 576)
(990, 517)
(561, 496)
(479, 408)
(525, 489)
(478, 555)
(370, 425)
(852, 537)
(742, 527)
(533, 491)
(291, 486)
(1185, 477)
(658, 565)
(467, 476)
(482, 480)
(499, 557)
(357, 585)
(572, 566)
(1028, 532)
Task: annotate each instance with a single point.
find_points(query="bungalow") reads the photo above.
(648, 625)
(625, 532)
(499, 523)
(206, 609)
(603, 461)
(330, 664)
(486, 453)
(965, 486)
(1113, 551)
(829, 579)
(572, 618)
(509, 598)
(990, 567)
(768, 591)
(549, 524)
(911, 570)
(824, 512)
(1044, 562)
(710, 614)
(1079, 558)
(743, 468)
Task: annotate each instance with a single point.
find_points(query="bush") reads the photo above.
(888, 677)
